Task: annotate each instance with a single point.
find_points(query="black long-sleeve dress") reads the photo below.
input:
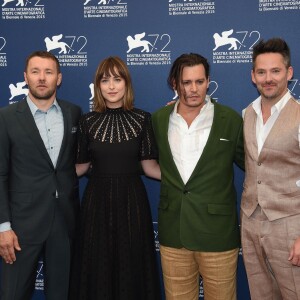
(115, 257)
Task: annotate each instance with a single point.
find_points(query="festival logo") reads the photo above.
(212, 89)
(39, 281)
(16, 90)
(191, 7)
(91, 99)
(201, 292)
(278, 5)
(138, 42)
(69, 49)
(294, 88)
(3, 58)
(23, 9)
(175, 97)
(155, 231)
(105, 9)
(91, 86)
(225, 39)
(106, 2)
(234, 47)
(148, 49)
(19, 2)
(56, 43)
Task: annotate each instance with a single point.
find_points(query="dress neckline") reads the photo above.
(117, 109)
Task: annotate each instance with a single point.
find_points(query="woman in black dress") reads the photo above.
(115, 257)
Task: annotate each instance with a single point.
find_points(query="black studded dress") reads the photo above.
(115, 257)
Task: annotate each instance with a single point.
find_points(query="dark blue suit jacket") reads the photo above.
(28, 179)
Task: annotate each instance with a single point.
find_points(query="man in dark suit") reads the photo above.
(38, 184)
(199, 141)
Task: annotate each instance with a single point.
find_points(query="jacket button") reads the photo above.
(259, 182)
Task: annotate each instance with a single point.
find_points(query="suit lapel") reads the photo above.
(27, 123)
(164, 123)
(67, 123)
(216, 131)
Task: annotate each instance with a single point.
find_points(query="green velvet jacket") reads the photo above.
(201, 215)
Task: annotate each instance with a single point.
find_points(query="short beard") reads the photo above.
(46, 96)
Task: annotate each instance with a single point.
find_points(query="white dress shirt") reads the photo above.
(187, 143)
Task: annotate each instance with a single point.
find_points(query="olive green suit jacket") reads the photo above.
(201, 215)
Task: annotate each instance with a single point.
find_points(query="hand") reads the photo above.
(151, 168)
(81, 169)
(295, 253)
(8, 244)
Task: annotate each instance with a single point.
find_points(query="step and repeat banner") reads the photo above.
(148, 35)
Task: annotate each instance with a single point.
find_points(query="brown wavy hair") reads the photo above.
(185, 60)
(112, 65)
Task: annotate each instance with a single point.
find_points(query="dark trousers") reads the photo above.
(18, 279)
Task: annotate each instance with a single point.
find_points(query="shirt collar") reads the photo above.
(206, 106)
(34, 108)
(256, 104)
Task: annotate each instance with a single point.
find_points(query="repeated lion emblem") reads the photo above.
(55, 43)
(138, 42)
(19, 3)
(225, 39)
(17, 89)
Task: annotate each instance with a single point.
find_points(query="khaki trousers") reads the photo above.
(266, 245)
(181, 269)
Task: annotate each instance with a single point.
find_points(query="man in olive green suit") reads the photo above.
(199, 141)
